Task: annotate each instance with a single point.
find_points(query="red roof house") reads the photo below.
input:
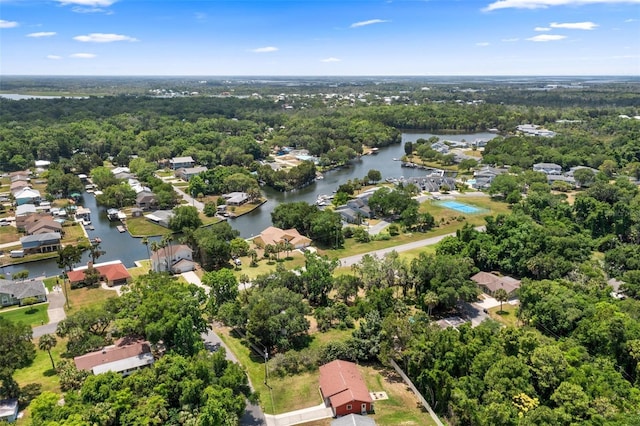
(343, 388)
(113, 273)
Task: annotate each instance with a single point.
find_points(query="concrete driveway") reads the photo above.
(300, 416)
(193, 278)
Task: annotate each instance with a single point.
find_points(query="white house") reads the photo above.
(176, 258)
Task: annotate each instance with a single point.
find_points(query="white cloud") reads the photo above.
(103, 38)
(83, 55)
(88, 3)
(266, 49)
(369, 22)
(574, 25)
(543, 4)
(330, 60)
(630, 20)
(42, 34)
(547, 37)
(54, 57)
(542, 29)
(483, 44)
(510, 40)
(78, 9)
(8, 24)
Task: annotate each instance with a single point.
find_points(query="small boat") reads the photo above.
(120, 228)
(91, 228)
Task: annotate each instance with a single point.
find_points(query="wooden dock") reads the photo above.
(120, 228)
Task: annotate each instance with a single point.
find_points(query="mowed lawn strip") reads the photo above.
(30, 315)
(402, 407)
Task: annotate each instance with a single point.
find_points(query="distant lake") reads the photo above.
(19, 97)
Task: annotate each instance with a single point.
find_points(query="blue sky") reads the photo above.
(320, 37)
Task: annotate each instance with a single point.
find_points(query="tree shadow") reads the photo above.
(50, 372)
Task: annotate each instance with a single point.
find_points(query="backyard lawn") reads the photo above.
(508, 316)
(80, 298)
(141, 227)
(30, 315)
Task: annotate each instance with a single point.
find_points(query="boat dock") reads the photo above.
(121, 228)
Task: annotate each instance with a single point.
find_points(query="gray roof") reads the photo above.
(182, 160)
(21, 290)
(353, 420)
(47, 236)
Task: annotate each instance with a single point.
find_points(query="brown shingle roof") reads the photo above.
(341, 382)
(493, 282)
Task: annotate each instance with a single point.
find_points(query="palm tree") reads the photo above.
(155, 246)
(166, 241)
(430, 299)
(501, 295)
(145, 241)
(46, 343)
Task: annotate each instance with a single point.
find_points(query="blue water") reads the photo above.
(461, 207)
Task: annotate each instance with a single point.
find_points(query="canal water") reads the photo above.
(251, 224)
(121, 246)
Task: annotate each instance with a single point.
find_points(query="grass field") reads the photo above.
(81, 298)
(29, 315)
(508, 316)
(9, 234)
(141, 227)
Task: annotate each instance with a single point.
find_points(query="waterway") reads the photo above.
(121, 246)
(253, 223)
(116, 245)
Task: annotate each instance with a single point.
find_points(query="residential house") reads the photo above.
(27, 196)
(484, 176)
(25, 210)
(343, 389)
(440, 147)
(181, 162)
(160, 217)
(561, 178)
(125, 356)
(176, 259)
(41, 243)
(432, 183)
(548, 168)
(136, 212)
(9, 410)
(273, 236)
(18, 186)
(236, 198)
(20, 175)
(489, 283)
(112, 273)
(15, 292)
(535, 130)
(186, 173)
(44, 225)
(146, 200)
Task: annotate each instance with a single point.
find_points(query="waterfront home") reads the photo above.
(186, 173)
(41, 243)
(146, 200)
(181, 162)
(273, 236)
(489, 283)
(236, 198)
(25, 210)
(160, 217)
(16, 292)
(41, 224)
(112, 273)
(535, 130)
(175, 259)
(27, 196)
(343, 389)
(125, 356)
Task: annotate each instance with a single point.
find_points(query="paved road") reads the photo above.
(253, 415)
(351, 260)
(192, 202)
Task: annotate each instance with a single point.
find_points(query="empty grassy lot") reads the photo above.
(30, 315)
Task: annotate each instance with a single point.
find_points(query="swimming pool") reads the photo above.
(461, 207)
